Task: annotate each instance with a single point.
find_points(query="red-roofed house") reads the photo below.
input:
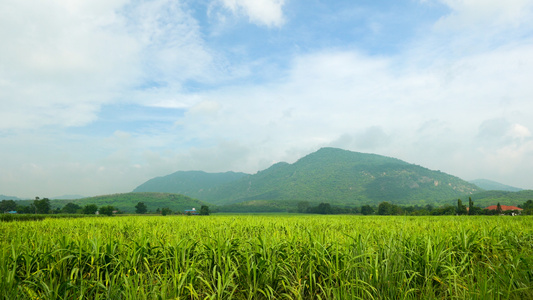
(505, 208)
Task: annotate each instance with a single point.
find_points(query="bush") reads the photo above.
(107, 210)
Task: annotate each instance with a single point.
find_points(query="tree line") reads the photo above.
(43, 206)
(386, 209)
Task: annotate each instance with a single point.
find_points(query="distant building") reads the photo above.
(506, 208)
(12, 212)
(191, 211)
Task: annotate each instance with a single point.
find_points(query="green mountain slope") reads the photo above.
(488, 198)
(490, 185)
(340, 177)
(126, 202)
(188, 182)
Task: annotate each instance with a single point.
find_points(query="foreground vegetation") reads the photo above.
(268, 257)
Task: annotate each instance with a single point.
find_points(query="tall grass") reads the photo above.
(268, 257)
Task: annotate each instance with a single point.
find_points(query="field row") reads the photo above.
(268, 257)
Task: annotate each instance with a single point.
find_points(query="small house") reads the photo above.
(514, 209)
(191, 211)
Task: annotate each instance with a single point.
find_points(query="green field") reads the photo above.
(268, 257)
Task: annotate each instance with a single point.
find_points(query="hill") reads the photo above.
(69, 197)
(4, 197)
(487, 198)
(126, 202)
(340, 177)
(188, 182)
(490, 185)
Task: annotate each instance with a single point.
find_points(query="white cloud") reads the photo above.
(519, 131)
(447, 102)
(172, 47)
(61, 61)
(262, 12)
(370, 139)
(486, 13)
(206, 107)
(426, 114)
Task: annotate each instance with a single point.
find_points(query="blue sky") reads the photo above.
(98, 96)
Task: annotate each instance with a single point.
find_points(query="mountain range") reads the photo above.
(490, 185)
(336, 176)
(188, 182)
(330, 175)
(4, 197)
(487, 198)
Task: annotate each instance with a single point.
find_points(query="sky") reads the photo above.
(98, 96)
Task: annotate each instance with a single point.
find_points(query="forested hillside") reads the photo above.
(188, 182)
(339, 177)
(126, 202)
(488, 198)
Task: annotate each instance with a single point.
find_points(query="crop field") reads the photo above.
(268, 257)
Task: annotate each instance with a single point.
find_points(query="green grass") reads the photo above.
(268, 257)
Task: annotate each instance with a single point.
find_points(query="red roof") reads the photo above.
(504, 207)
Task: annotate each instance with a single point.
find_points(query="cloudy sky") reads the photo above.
(97, 96)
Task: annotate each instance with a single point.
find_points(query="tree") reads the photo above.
(448, 210)
(42, 206)
(107, 210)
(140, 208)
(471, 210)
(499, 208)
(70, 208)
(166, 211)
(367, 210)
(7, 205)
(384, 209)
(324, 208)
(303, 206)
(461, 209)
(25, 209)
(90, 209)
(204, 210)
(528, 207)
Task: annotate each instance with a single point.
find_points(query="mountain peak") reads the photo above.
(336, 155)
(331, 175)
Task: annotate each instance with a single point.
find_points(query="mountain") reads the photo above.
(4, 197)
(490, 185)
(188, 182)
(488, 198)
(68, 197)
(340, 177)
